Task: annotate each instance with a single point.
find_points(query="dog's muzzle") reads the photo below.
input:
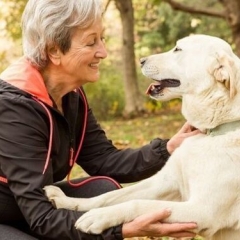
(142, 61)
(156, 88)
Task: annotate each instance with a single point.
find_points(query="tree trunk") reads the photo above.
(233, 17)
(133, 97)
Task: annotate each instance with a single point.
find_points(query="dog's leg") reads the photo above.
(58, 198)
(97, 220)
(204, 205)
(163, 185)
(147, 189)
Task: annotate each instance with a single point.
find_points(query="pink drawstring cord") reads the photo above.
(50, 134)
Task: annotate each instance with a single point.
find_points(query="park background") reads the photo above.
(135, 29)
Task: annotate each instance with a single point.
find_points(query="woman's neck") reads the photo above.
(55, 87)
(56, 94)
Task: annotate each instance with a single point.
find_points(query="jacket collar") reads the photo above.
(26, 77)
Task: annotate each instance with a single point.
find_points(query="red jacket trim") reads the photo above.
(26, 77)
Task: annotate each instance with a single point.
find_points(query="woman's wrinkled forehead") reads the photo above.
(96, 29)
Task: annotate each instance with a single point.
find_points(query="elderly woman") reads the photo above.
(47, 126)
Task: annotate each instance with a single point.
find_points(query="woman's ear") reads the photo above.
(54, 55)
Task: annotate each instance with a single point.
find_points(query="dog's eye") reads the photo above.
(177, 49)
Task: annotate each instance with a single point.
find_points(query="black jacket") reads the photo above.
(24, 144)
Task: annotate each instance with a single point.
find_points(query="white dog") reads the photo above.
(201, 180)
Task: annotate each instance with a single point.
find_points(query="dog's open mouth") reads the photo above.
(156, 88)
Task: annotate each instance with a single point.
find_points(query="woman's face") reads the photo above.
(81, 62)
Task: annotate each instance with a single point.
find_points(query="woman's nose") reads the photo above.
(101, 51)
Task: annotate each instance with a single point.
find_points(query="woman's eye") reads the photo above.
(91, 44)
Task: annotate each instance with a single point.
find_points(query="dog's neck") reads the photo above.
(224, 128)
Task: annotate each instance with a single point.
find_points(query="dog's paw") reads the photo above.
(95, 221)
(55, 195)
(53, 191)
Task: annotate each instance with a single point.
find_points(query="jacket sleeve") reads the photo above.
(98, 156)
(23, 147)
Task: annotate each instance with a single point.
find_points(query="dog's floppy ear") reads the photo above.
(225, 72)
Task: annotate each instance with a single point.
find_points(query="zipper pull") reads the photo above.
(71, 162)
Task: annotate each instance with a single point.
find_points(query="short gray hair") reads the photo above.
(51, 22)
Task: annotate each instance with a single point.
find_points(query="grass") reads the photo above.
(138, 132)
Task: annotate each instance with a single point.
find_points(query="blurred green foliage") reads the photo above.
(106, 97)
(11, 12)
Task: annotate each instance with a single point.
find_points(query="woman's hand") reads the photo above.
(186, 131)
(150, 225)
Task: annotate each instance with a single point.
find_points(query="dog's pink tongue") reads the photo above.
(153, 89)
(150, 88)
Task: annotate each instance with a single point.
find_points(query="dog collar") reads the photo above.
(224, 128)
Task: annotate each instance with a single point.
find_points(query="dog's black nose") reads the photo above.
(142, 61)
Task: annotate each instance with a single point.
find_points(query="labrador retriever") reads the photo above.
(201, 180)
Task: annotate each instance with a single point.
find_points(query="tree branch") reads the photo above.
(178, 6)
(106, 7)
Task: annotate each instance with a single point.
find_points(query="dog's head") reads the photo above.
(204, 72)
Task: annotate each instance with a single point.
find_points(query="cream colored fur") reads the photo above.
(201, 180)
